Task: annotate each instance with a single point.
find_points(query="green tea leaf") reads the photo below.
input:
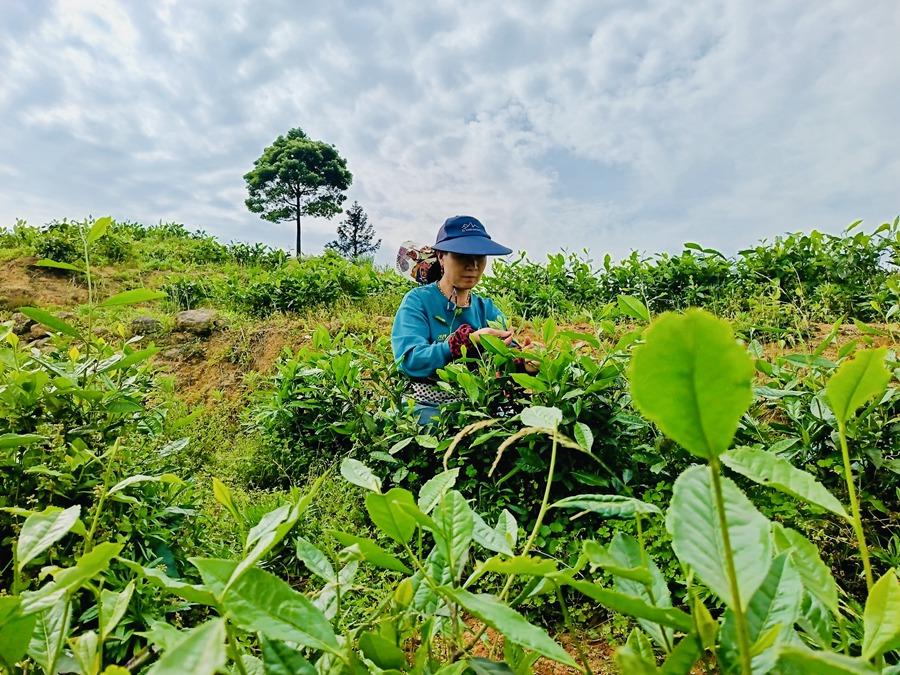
(132, 297)
(693, 380)
(541, 416)
(520, 565)
(626, 552)
(529, 382)
(598, 556)
(200, 652)
(15, 636)
(142, 478)
(382, 653)
(84, 650)
(882, 617)
(457, 668)
(856, 381)
(608, 506)
(49, 320)
(774, 607)
(682, 658)
(369, 551)
(42, 530)
(815, 574)
(359, 474)
(636, 656)
(129, 360)
(222, 494)
(113, 607)
(273, 528)
(189, 592)
(693, 522)
(479, 666)
(45, 644)
(98, 229)
(584, 436)
(434, 489)
(390, 518)
(46, 262)
(281, 659)
(768, 469)
(489, 537)
(19, 440)
(509, 622)
(70, 579)
(631, 306)
(796, 660)
(260, 601)
(315, 561)
(634, 606)
(454, 518)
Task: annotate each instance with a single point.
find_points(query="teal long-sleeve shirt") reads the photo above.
(424, 322)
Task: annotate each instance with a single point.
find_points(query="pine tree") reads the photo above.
(355, 235)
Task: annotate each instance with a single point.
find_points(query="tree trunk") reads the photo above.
(299, 250)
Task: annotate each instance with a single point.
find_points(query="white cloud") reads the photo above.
(563, 124)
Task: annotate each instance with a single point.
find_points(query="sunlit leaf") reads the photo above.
(693, 522)
(41, 530)
(359, 474)
(882, 617)
(858, 380)
(52, 322)
(509, 622)
(132, 297)
(200, 652)
(768, 469)
(693, 380)
(435, 488)
(98, 229)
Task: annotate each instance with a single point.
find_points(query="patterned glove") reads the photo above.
(459, 339)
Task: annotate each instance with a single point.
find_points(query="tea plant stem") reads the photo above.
(139, 659)
(854, 506)
(89, 539)
(90, 289)
(534, 531)
(740, 618)
(51, 666)
(545, 502)
(646, 565)
(567, 619)
(234, 650)
(17, 575)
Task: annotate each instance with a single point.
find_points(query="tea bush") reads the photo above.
(822, 275)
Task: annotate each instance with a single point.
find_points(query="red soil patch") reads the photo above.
(23, 284)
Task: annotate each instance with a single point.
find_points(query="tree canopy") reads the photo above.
(356, 236)
(297, 176)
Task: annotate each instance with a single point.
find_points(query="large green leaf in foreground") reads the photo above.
(693, 380)
(697, 539)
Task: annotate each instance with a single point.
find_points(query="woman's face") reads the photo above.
(461, 270)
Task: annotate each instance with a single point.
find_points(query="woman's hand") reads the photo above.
(505, 335)
(531, 366)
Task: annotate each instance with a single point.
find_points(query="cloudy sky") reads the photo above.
(607, 124)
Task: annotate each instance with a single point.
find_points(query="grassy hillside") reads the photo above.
(135, 441)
